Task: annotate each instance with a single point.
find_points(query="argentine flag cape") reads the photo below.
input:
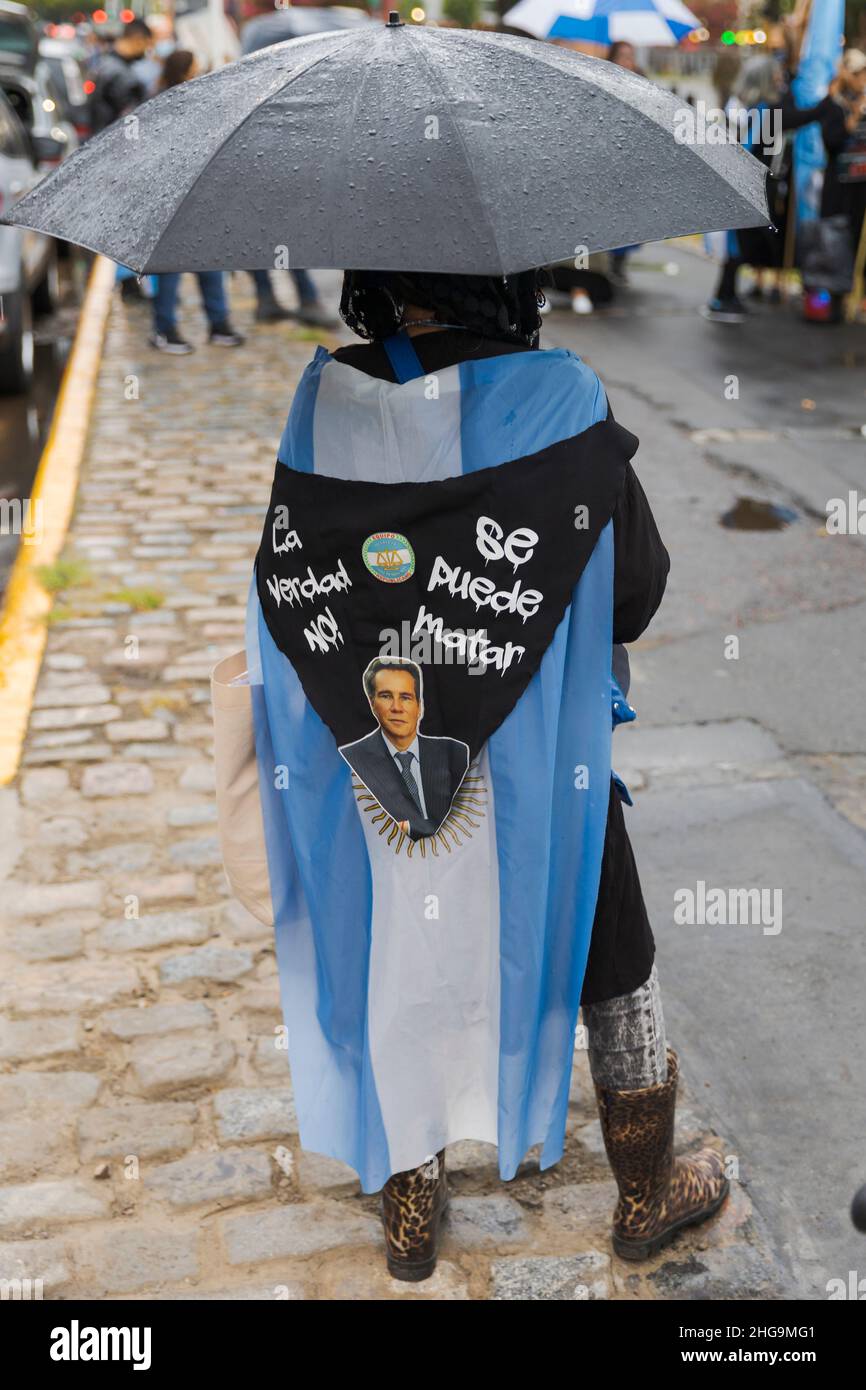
(432, 931)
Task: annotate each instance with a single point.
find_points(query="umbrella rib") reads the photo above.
(302, 72)
(484, 217)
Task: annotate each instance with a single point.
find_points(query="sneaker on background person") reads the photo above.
(310, 308)
(211, 285)
(223, 335)
(731, 310)
(268, 307)
(171, 342)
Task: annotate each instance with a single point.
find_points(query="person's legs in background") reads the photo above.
(211, 285)
(268, 307)
(165, 335)
(131, 289)
(724, 304)
(635, 1074)
(310, 308)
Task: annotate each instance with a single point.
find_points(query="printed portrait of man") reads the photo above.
(412, 776)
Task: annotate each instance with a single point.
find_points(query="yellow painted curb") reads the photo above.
(23, 621)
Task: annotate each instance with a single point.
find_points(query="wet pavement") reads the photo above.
(747, 758)
(25, 420)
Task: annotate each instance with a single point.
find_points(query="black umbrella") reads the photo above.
(392, 147)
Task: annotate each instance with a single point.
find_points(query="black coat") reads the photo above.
(118, 90)
(443, 766)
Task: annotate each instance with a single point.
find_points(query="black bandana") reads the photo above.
(504, 307)
(471, 574)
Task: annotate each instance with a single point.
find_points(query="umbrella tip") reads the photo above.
(394, 20)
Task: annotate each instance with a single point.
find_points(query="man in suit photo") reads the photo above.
(413, 776)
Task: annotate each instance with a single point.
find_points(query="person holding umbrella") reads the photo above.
(448, 487)
(418, 327)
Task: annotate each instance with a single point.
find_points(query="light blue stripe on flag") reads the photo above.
(549, 834)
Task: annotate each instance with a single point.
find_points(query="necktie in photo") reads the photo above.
(405, 761)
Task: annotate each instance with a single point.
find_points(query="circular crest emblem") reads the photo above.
(388, 556)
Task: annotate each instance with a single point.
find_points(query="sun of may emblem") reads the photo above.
(389, 556)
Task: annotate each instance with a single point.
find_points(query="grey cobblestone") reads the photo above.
(226, 1175)
(148, 1131)
(552, 1277)
(31, 1148)
(271, 1060)
(51, 696)
(486, 1220)
(219, 963)
(255, 1113)
(117, 779)
(52, 1091)
(35, 1206)
(36, 1260)
(43, 784)
(75, 717)
(296, 1230)
(130, 730)
(32, 1041)
(152, 931)
(123, 1260)
(156, 1020)
(47, 943)
(69, 988)
(45, 899)
(165, 1064)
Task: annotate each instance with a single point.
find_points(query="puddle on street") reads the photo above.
(750, 514)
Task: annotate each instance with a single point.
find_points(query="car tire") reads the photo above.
(46, 295)
(16, 345)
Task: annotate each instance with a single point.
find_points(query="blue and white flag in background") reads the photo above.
(654, 23)
(819, 59)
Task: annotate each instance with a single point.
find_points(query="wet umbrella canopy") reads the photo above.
(392, 147)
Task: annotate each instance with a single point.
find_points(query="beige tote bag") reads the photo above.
(239, 808)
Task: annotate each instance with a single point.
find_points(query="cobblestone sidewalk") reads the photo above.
(148, 1144)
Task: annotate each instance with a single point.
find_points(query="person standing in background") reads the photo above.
(843, 129)
(761, 95)
(179, 67)
(310, 308)
(119, 88)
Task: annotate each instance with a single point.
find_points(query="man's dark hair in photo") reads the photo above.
(119, 87)
(382, 664)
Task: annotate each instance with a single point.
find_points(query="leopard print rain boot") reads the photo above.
(413, 1204)
(658, 1193)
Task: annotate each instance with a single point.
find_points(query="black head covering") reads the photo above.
(493, 306)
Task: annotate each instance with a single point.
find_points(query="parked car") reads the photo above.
(28, 260)
(19, 36)
(65, 61)
(39, 107)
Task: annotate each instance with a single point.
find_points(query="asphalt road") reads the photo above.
(747, 757)
(25, 420)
